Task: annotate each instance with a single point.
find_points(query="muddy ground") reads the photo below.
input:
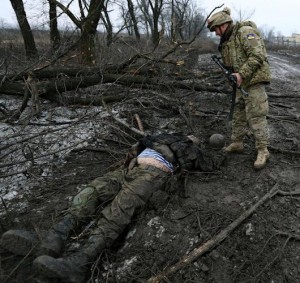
(265, 247)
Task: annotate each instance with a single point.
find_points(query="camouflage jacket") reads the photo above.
(243, 50)
(182, 152)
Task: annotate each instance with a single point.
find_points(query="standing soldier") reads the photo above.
(243, 50)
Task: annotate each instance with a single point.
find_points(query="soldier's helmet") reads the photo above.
(219, 18)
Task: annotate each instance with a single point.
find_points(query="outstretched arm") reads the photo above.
(208, 161)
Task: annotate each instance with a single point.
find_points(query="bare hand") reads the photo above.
(239, 78)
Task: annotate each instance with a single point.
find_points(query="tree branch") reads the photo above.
(210, 244)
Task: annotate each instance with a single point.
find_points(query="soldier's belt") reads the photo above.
(143, 162)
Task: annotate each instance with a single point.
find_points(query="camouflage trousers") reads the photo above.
(121, 193)
(251, 111)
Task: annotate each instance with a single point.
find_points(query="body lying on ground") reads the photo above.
(152, 161)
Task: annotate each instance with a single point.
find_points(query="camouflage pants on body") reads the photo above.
(124, 192)
(251, 111)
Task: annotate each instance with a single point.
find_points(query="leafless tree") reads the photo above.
(90, 14)
(243, 15)
(156, 7)
(107, 23)
(193, 21)
(29, 43)
(267, 33)
(133, 18)
(179, 10)
(193, 25)
(152, 13)
(183, 20)
(144, 7)
(54, 32)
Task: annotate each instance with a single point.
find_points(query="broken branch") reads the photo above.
(210, 244)
(123, 123)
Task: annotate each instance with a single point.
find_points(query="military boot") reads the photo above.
(262, 157)
(234, 147)
(20, 242)
(71, 268)
(53, 241)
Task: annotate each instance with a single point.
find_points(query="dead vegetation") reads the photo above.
(62, 127)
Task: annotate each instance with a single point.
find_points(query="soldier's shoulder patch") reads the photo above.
(250, 36)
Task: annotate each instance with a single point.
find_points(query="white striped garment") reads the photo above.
(151, 153)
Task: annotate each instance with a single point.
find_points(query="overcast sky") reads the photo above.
(281, 15)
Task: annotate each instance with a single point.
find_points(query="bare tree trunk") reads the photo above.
(89, 29)
(133, 18)
(29, 43)
(148, 21)
(156, 11)
(54, 32)
(88, 26)
(108, 25)
(173, 23)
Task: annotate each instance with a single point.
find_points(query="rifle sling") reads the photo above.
(233, 96)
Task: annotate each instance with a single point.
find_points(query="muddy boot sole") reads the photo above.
(20, 242)
(57, 268)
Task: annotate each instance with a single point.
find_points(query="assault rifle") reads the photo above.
(233, 81)
(228, 73)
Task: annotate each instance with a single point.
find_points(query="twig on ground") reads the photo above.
(26, 98)
(136, 131)
(291, 193)
(276, 149)
(97, 149)
(274, 258)
(210, 244)
(188, 122)
(4, 205)
(41, 155)
(19, 264)
(23, 171)
(139, 122)
(288, 234)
